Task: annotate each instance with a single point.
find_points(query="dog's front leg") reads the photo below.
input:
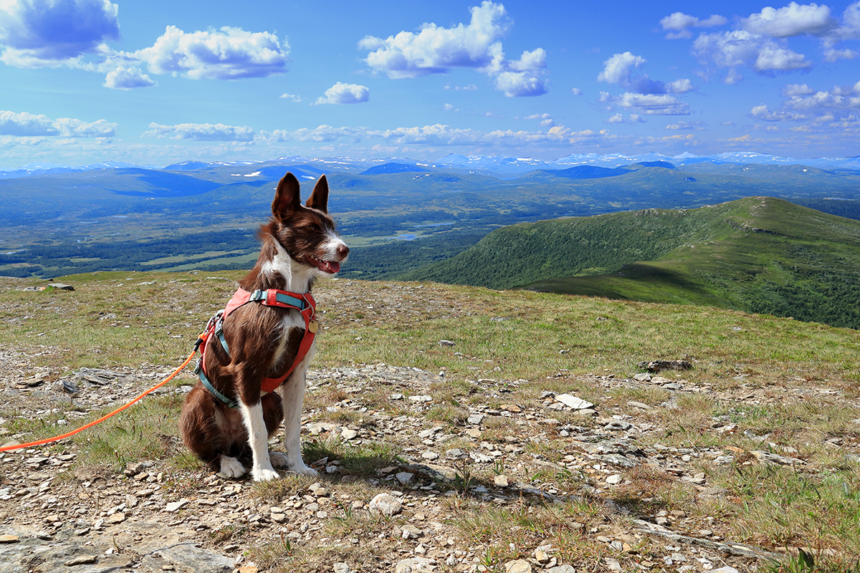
(252, 416)
(293, 394)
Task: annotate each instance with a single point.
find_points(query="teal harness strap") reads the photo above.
(277, 298)
(205, 381)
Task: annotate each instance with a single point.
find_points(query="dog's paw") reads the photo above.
(262, 474)
(279, 460)
(303, 470)
(231, 467)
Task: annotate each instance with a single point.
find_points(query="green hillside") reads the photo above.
(758, 254)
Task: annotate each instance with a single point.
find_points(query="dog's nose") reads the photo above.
(343, 250)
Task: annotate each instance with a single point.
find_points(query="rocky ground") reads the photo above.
(401, 488)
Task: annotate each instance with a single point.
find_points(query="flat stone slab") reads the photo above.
(65, 551)
(574, 402)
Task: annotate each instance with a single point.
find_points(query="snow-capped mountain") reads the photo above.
(502, 166)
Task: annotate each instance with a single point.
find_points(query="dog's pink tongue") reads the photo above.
(333, 267)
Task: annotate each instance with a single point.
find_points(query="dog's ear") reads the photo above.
(287, 197)
(319, 198)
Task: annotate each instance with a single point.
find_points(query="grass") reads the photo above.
(791, 385)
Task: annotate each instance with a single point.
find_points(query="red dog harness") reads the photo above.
(303, 302)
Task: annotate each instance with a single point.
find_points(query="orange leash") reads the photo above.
(106, 416)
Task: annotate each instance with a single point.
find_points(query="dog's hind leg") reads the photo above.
(293, 394)
(231, 467)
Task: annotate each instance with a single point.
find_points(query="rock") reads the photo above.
(725, 569)
(385, 504)
(518, 566)
(614, 479)
(640, 405)
(176, 505)
(347, 435)
(561, 569)
(618, 426)
(414, 565)
(404, 477)
(116, 518)
(455, 454)
(195, 559)
(410, 532)
(501, 481)
(472, 432)
(80, 560)
(541, 556)
(434, 471)
(446, 343)
(770, 458)
(659, 365)
(134, 468)
(342, 568)
(642, 377)
(475, 419)
(9, 539)
(421, 398)
(316, 428)
(428, 455)
(573, 402)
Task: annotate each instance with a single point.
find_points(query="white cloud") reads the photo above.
(697, 125)
(449, 107)
(77, 128)
(833, 55)
(797, 90)
(576, 91)
(631, 118)
(123, 78)
(733, 77)
(277, 136)
(680, 86)
(37, 33)
(761, 112)
(778, 58)
(741, 48)
(291, 97)
(436, 50)
(617, 69)
(792, 20)
(230, 53)
(680, 23)
(28, 125)
(201, 132)
(538, 116)
(341, 93)
(325, 133)
(468, 88)
(520, 84)
(648, 104)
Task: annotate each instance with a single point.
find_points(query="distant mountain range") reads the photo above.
(500, 166)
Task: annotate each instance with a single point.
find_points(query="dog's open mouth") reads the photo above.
(325, 266)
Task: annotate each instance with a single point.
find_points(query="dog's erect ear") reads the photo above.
(319, 198)
(287, 197)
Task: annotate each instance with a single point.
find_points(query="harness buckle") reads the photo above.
(271, 297)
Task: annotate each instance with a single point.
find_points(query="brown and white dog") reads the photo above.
(299, 245)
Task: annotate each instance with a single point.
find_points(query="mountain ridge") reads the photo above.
(758, 254)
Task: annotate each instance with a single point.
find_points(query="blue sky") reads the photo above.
(157, 82)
